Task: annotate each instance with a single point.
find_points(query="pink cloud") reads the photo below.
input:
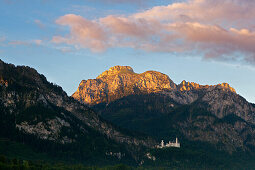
(83, 33)
(209, 11)
(18, 42)
(136, 2)
(39, 24)
(216, 41)
(218, 29)
(24, 43)
(139, 28)
(38, 42)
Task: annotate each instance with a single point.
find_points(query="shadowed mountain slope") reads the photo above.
(38, 113)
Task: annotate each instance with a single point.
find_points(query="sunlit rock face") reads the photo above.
(120, 81)
(187, 86)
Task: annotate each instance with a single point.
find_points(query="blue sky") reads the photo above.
(69, 41)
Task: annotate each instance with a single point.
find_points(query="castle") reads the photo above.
(169, 144)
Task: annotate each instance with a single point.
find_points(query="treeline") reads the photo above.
(17, 164)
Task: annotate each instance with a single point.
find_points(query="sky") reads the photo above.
(202, 41)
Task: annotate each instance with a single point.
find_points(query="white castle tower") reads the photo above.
(169, 144)
(162, 144)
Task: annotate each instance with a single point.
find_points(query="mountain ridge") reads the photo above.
(120, 81)
(33, 107)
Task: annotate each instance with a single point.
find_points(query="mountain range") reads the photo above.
(122, 81)
(121, 116)
(42, 115)
(153, 104)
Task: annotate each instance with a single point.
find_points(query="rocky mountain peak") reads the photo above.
(120, 81)
(116, 70)
(120, 68)
(187, 86)
(226, 86)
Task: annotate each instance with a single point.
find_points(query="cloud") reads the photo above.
(37, 42)
(128, 27)
(216, 29)
(209, 11)
(136, 2)
(18, 42)
(65, 49)
(215, 41)
(39, 24)
(24, 43)
(83, 33)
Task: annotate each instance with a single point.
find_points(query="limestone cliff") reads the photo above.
(187, 86)
(120, 81)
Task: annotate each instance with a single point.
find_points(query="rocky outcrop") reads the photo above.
(49, 130)
(222, 103)
(120, 81)
(228, 135)
(187, 86)
(221, 100)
